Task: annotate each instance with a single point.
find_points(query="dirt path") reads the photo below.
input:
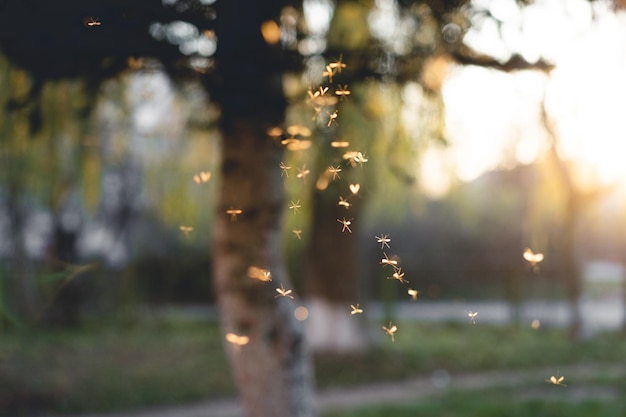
(417, 388)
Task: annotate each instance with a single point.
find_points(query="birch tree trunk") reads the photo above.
(273, 372)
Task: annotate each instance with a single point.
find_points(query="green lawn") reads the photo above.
(109, 367)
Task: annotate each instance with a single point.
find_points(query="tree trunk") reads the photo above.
(333, 277)
(272, 372)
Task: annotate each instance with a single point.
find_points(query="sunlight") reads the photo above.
(585, 100)
(493, 118)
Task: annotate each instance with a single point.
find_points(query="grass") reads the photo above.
(497, 402)
(108, 367)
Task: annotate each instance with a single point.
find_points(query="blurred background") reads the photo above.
(485, 128)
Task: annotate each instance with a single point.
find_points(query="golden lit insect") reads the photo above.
(391, 330)
(328, 72)
(282, 292)
(202, 177)
(322, 91)
(186, 230)
(260, 274)
(233, 212)
(236, 340)
(332, 118)
(298, 130)
(556, 380)
(532, 258)
(413, 293)
(295, 206)
(335, 171)
(472, 316)
(339, 144)
(285, 169)
(346, 224)
(274, 132)
(338, 64)
(91, 22)
(343, 202)
(354, 188)
(342, 91)
(297, 233)
(356, 310)
(398, 275)
(387, 261)
(355, 157)
(303, 172)
(383, 240)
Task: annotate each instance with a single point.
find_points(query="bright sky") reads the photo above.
(493, 118)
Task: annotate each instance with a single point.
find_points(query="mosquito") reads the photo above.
(387, 261)
(202, 177)
(295, 206)
(339, 144)
(93, 22)
(383, 240)
(282, 292)
(398, 275)
(297, 233)
(234, 213)
(472, 316)
(328, 72)
(332, 118)
(186, 230)
(343, 202)
(260, 274)
(337, 65)
(342, 91)
(391, 330)
(346, 224)
(236, 340)
(532, 258)
(285, 169)
(356, 310)
(302, 173)
(556, 380)
(335, 171)
(413, 293)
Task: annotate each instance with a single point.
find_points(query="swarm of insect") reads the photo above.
(556, 380)
(391, 330)
(356, 309)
